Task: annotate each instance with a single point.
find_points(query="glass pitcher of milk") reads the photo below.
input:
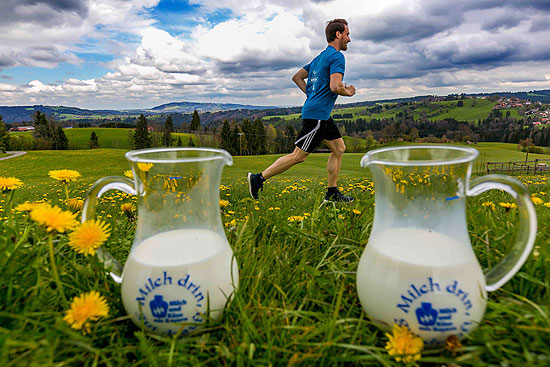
(180, 269)
(418, 268)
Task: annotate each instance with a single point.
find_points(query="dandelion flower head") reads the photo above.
(224, 204)
(128, 173)
(145, 167)
(53, 218)
(127, 207)
(64, 175)
(75, 204)
(508, 206)
(536, 200)
(85, 308)
(404, 345)
(295, 218)
(89, 236)
(9, 183)
(27, 206)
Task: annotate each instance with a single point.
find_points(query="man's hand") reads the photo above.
(340, 88)
(350, 89)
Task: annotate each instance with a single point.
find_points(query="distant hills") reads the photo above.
(211, 110)
(61, 113)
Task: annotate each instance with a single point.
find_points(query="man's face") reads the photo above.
(344, 39)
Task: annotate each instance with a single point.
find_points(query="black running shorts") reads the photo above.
(314, 132)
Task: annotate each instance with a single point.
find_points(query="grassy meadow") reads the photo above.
(473, 110)
(110, 138)
(296, 304)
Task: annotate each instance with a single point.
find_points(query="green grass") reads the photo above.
(296, 304)
(79, 138)
(473, 110)
(469, 112)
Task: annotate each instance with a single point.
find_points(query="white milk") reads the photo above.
(170, 279)
(425, 280)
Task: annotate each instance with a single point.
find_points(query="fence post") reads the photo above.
(535, 168)
(508, 172)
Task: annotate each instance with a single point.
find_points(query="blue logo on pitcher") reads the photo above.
(159, 307)
(426, 315)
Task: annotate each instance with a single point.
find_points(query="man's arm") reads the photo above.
(340, 88)
(300, 79)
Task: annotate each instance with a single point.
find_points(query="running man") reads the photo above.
(324, 84)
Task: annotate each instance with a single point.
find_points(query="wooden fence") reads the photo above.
(536, 167)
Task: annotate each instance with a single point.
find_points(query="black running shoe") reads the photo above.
(254, 185)
(338, 196)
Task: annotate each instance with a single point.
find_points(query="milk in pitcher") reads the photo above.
(425, 280)
(173, 279)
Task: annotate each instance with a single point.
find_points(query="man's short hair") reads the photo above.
(333, 26)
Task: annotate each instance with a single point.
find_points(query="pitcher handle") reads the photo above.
(510, 265)
(100, 187)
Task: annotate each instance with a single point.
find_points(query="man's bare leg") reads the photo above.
(337, 148)
(285, 162)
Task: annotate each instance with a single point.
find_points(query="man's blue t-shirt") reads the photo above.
(320, 99)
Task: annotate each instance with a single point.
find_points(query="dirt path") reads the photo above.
(13, 155)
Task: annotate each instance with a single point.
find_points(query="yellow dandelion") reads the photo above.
(355, 211)
(75, 204)
(26, 206)
(508, 206)
(128, 173)
(536, 200)
(53, 218)
(89, 236)
(145, 167)
(224, 204)
(404, 345)
(86, 308)
(9, 183)
(452, 343)
(128, 209)
(295, 218)
(64, 175)
(547, 204)
(489, 204)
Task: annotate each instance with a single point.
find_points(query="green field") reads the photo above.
(473, 110)
(109, 137)
(296, 304)
(33, 167)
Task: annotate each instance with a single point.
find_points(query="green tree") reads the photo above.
(225, 138)
(260, 138)
(179, 141)
(168, 130)
(190, 144)
(248, 143)
(524, 145)
(290, 138)
(370, 141)
(271, 136)
(94, 141)
(142, 137)
(236, 138)
(60, 141)
(195, 121)
(48, 134)
(42, 134)
(4, 136)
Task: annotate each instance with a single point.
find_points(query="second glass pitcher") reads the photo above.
(419, 268)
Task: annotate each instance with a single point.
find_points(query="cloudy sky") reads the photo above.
(142, 53)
